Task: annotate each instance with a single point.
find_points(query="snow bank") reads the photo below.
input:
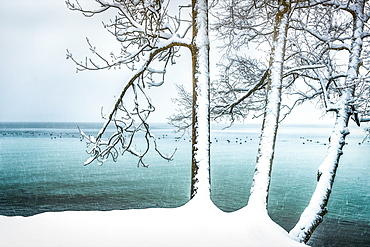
(194, 224)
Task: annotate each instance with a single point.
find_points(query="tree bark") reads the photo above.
(200, 182)
(313, 215)
(261, 180)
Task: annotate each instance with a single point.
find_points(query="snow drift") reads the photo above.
(195, 224)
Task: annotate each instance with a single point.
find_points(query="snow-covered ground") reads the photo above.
(194, 224)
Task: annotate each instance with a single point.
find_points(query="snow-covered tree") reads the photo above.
(236, 94)
(338, 32)
(201, 97)
(239, 89)
(261, 180)
(320, 34)
(304, 40)
(150, 38)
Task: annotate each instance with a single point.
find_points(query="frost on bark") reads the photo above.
(150, 39)
(261, 180)
(349, 102)
(313, 215)
(200, 111)
(312, 71)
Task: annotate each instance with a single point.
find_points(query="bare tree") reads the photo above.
(150, 39)
(182, 119)
(262, 175)
(239, 92)
(240, 89)
(311, 62)
(343, 88)
(320, 32)
(266, 24)
(304, 40)
(236, 94)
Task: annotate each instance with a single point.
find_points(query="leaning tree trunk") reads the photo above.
(262, 174)
(200, 183)
(313, 215)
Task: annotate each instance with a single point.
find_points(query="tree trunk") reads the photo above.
(313, 215)
(200, 183)
(262, 174)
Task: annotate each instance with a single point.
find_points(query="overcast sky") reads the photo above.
(37, 83)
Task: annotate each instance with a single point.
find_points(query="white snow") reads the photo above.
(194, 224)
(266, 148)
(202, 128)
(327, 169)
(317, 205)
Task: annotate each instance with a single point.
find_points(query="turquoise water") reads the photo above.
(41, 169)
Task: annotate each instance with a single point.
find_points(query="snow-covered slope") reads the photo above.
(194, 224)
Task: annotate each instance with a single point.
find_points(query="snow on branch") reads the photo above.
(140, 27)
(127, 124)
(142, 113)
(345, 89)
(239, 88)
(150, 40)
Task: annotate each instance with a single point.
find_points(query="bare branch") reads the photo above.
(143, 29)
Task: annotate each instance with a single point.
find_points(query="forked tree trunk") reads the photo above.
(200, 182)
(265, 156)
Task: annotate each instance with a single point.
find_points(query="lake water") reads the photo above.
(41, 170)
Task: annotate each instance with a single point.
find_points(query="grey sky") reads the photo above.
(37, 83)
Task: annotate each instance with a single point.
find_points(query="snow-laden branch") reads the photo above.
(135, 76)
(146, 35)
(329, 41)
(102, 153)
(344, 94)
(291, 71)
(140, 28)
(128, 125)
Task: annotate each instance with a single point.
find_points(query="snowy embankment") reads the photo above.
(189, 225)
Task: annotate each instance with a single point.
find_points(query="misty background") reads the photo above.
(38, 83)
